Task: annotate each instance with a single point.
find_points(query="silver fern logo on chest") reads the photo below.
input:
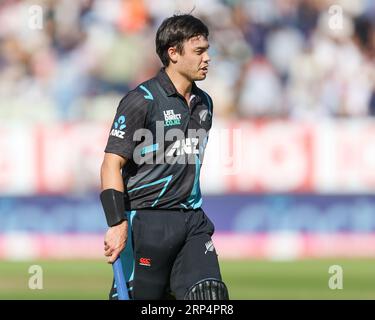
(171, 118)
(209, 246)
(203, 115)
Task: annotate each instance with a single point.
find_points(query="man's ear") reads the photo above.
(173, 54)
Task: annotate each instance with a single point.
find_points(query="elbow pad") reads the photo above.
(114, 206)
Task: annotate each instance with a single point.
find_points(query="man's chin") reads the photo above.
(200, 77)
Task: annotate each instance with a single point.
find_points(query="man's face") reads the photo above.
(193, 61)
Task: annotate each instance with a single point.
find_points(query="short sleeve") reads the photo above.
(130, 116)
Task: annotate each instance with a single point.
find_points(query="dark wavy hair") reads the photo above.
(174, 31)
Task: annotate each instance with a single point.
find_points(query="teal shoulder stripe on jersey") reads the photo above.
(209, 103)
(149, 95)
(167, 180)
(150, 148)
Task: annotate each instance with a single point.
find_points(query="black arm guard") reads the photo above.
(114, 206)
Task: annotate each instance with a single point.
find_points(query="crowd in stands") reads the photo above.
(297, 59)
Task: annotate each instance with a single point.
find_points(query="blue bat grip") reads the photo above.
(121, 287)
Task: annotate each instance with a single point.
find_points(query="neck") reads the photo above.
(183, 85)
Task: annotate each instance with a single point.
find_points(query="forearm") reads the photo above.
(110, 173)
(112, 196)
(111, 178)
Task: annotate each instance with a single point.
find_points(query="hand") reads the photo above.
(115, 241)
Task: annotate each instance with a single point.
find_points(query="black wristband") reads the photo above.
(114, 206)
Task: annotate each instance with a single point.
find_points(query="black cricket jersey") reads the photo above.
(164, 138)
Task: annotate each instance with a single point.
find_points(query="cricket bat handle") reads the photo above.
(121, 288)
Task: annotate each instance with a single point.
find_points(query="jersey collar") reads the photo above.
(168, 85)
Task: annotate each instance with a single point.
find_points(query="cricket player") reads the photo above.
(150, 175)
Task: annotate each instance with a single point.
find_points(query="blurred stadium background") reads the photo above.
(289, 173)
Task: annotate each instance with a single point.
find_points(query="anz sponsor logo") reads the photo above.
(169, 146)
(119, 125)
(184, 146)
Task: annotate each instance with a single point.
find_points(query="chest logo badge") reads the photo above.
(171, 119)
(203, 116)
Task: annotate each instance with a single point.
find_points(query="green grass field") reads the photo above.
(246, 279)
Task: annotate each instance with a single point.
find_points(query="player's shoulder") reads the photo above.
(140, 96)
(144, 90)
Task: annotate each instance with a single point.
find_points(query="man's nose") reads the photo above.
(206, 57)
